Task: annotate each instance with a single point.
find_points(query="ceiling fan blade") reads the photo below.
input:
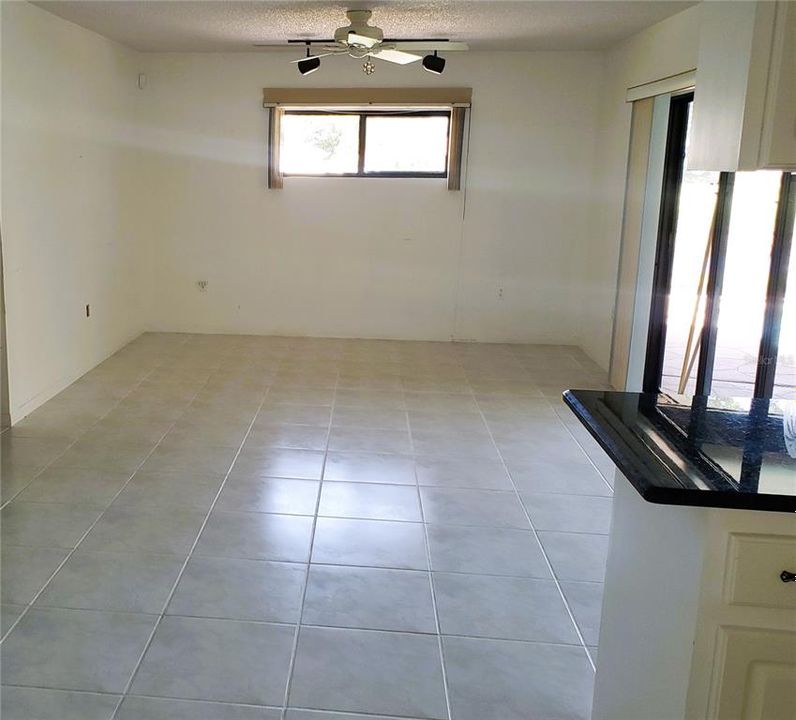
(395, 56)
(356, 39)
(426, 45)
(316, 55)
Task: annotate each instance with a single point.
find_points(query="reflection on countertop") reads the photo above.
(697, 450)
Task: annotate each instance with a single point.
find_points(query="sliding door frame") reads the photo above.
(664, 259)
(719, 232)
(777, 285)
(674, 164)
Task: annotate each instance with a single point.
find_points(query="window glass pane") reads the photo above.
(319, 144)
(785, 376)
(686, 306)
(406, 144)
(743, 297)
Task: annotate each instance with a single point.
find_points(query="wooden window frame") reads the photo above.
(275, 177)
(453, 101)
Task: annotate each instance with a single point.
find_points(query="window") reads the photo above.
(365, 143)
(722, 314)
(367, 132)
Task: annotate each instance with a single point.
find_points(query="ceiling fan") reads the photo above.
(362, 41)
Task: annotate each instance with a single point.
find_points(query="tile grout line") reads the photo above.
(316, 625)
(294, 649)
(538, 541)
(320, 564)
(465, 488)
(162, 613)
(583, 450)
(72, 551)
(427, 546)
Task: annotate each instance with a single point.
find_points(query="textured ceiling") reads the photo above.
(213, 26)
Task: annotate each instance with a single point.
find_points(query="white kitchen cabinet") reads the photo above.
(755, 675)
(744, 659)
(745, 89)
(696, 623)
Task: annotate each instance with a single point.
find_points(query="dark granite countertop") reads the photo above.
(697, 450)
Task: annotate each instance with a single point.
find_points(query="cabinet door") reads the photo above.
(756, 675)
(745, 95)
(754, 564)
(778, 148)
(730, 89)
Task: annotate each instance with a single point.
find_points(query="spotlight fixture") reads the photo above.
(310, 64)
(434, 63)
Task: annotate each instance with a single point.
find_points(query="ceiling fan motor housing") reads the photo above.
(359, 25)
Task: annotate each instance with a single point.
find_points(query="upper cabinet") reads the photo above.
(745, 95)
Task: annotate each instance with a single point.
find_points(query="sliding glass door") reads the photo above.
(722, 320)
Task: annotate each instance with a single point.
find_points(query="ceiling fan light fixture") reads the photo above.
(364, 42)
(309, 64)
(434, 63)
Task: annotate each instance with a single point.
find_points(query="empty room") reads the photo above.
(398, 360)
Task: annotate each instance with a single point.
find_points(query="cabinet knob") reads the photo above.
(787, 576)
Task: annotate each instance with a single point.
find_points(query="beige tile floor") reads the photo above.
(240, 527)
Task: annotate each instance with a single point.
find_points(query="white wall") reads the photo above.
(400, 258)
(124, 199)
(665, 49)
(68, 201)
